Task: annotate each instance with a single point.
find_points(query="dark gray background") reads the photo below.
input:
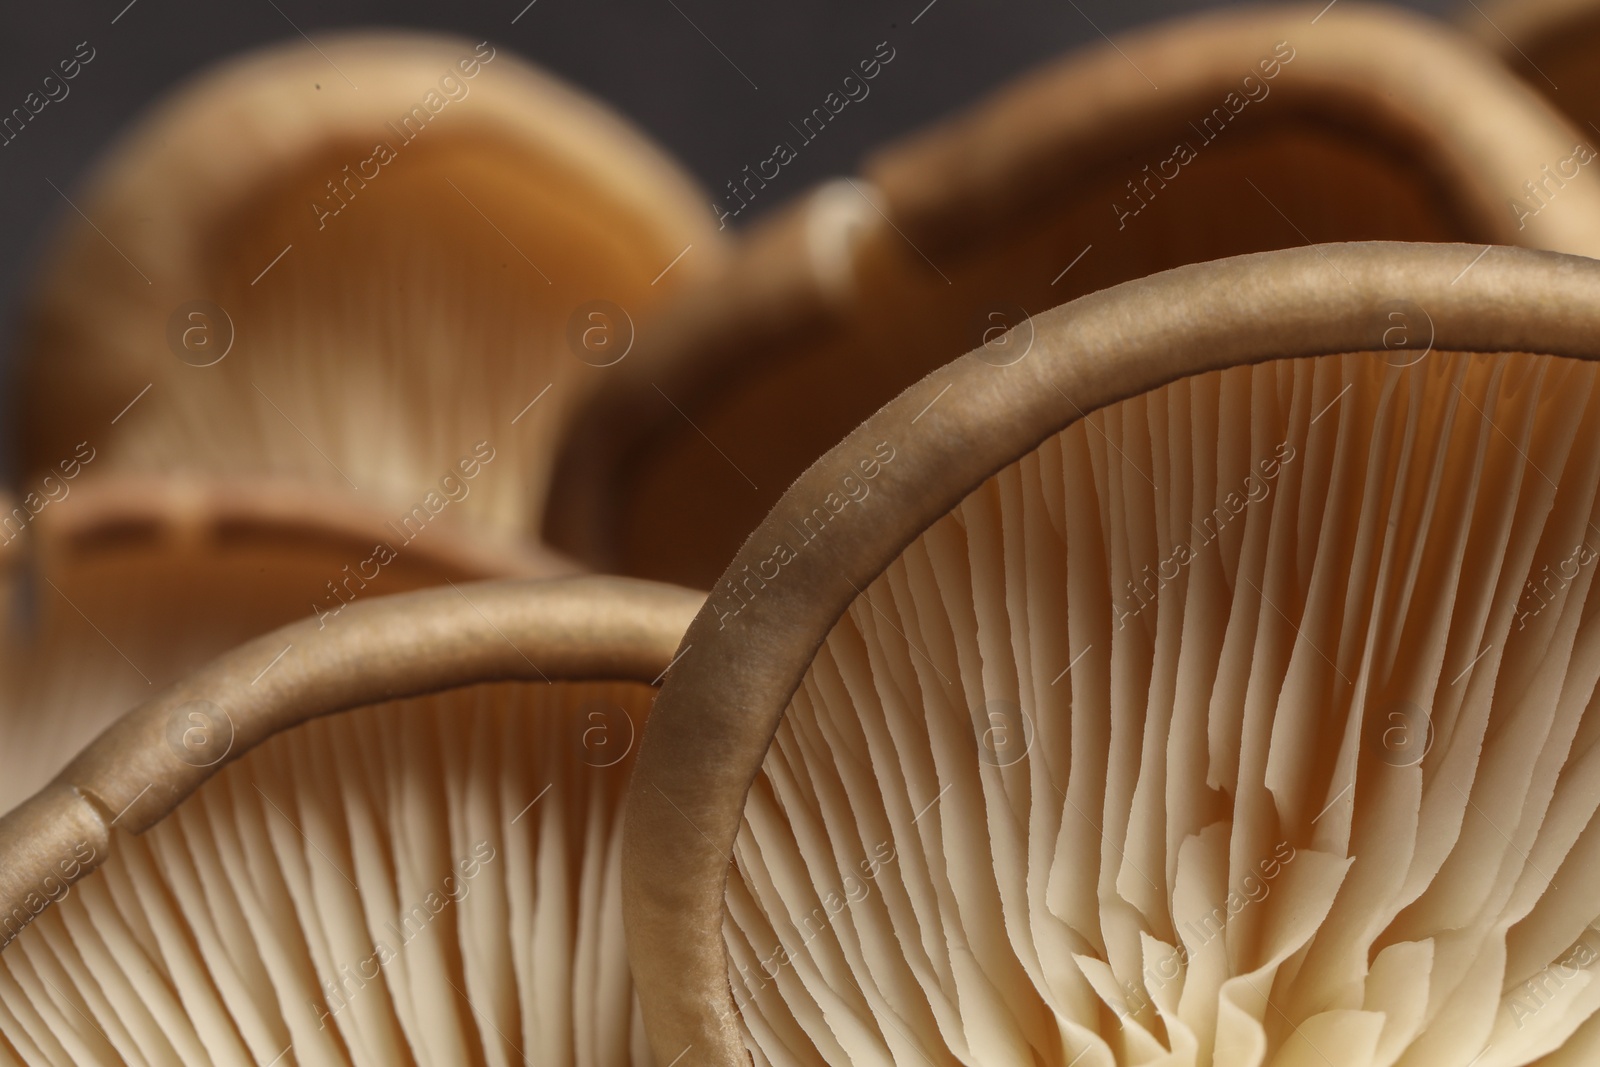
(656, 61)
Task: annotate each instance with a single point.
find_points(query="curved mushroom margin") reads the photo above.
(718, 712)
(205, 512)
(1397, 79)
(389, 648)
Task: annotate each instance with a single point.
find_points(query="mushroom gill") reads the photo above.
(1285, 760)
(1245, 721)
(332, 337)
(127, 584)
(358, 267)
(429, 881)
(432, 879)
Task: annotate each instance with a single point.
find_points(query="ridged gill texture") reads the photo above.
(1246, 722)
(428, 882)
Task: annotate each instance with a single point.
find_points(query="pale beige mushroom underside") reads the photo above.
(984, 796)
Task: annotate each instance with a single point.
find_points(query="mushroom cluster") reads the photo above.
(1174, 643)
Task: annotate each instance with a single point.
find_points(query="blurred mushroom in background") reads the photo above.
(1272, 127)
(1551, 45)
(317, 344)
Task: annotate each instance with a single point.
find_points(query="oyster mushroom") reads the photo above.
(280, 289)
(1243, 720)
(443, 231)
(429, 877)
(129, 583)
(1272, 127)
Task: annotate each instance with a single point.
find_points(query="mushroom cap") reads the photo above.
(215, 877)
(1549, 43)
(1374, 124)
(354, 286)
(121, 586)
(248, 439)
(975, 538)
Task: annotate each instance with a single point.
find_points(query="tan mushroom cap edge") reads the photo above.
(1438, 105)
(389, 648)
(720, 708)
